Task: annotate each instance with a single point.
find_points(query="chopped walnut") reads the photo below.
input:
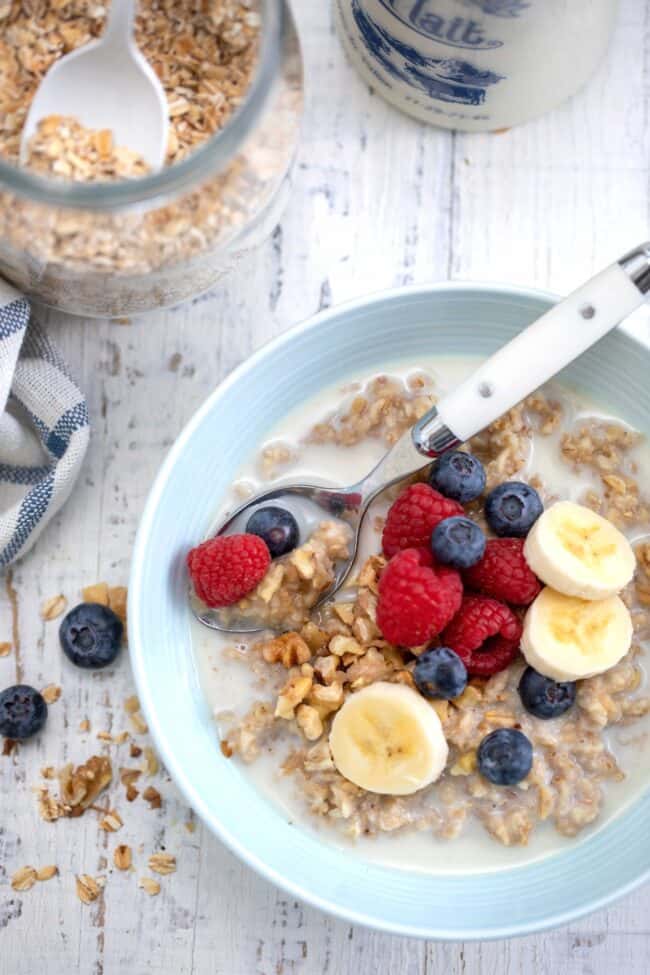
(291, 695)
(289, 649)
(309, 721)
(79, 787)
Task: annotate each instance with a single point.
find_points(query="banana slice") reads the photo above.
(386, 738)
(578, 552)
(566, 638)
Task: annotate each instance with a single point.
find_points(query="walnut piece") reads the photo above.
(80, 786)
(309, 721)
(291, 695)
(289, 649)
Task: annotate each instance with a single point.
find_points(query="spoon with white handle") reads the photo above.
(509, 376)
(107, 84)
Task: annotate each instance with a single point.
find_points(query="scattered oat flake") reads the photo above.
(153, 797)
(122, 856)
(190, 826)
(53, 607)
(151, 762)
(84, 725)
(9, 745)
(135, 751)
(104, 736)
(131, 793)
(162, 863)
(50, 809)
(51, 693)
(111, 822)
(121, 738)
(89, 888)
(24, 878)
(48, 772)
(139, 724)
(151, 886)
(46, 873)
(132, 704)
(5, 649)
(98, 593)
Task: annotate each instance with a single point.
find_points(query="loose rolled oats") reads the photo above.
(46, 873)
(151, 762)
(151, 886)
(5, 649)
(122, 856)
(89, 888)
(53, 607)
(162, 863)
(51, 693)
(111, 822)
(24, 879)
(153, 797)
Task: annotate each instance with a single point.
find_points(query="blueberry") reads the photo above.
(277, 527)
(91, 635)
(458, 542)
(440, 673)
(505, 756)
(23, 711)
(543, 697)
(513, 508)
(458, 475)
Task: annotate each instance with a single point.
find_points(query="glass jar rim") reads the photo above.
(202, 163)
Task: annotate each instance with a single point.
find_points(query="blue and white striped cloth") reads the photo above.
(43, 428)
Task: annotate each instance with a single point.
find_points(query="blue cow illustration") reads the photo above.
(447, 79)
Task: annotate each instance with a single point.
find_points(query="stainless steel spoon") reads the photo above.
(502, 381)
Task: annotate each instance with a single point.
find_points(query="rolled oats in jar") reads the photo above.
(84, 226)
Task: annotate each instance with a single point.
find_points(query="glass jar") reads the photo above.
(112, 249)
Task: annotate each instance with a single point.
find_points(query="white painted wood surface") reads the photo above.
(378, 201)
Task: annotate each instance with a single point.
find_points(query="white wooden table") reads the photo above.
(379, 201)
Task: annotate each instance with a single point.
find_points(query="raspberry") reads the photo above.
(485, 634)
(417, 598)
(413, 516)
(224, 569)
(503, 573)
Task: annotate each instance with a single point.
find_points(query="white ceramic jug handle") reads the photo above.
(536, 354)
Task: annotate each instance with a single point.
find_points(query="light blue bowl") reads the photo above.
(355, 338)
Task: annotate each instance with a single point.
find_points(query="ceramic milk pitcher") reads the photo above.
(475, 64)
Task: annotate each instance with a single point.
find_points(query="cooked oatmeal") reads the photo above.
(310, 669)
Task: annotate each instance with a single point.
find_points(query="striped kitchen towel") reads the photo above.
(43, 428)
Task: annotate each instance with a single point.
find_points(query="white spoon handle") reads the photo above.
(119, 28)
(537, 353)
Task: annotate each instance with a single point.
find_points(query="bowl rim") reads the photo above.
(194, 799)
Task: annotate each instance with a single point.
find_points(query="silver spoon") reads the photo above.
(505, 379)
(107, 84)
